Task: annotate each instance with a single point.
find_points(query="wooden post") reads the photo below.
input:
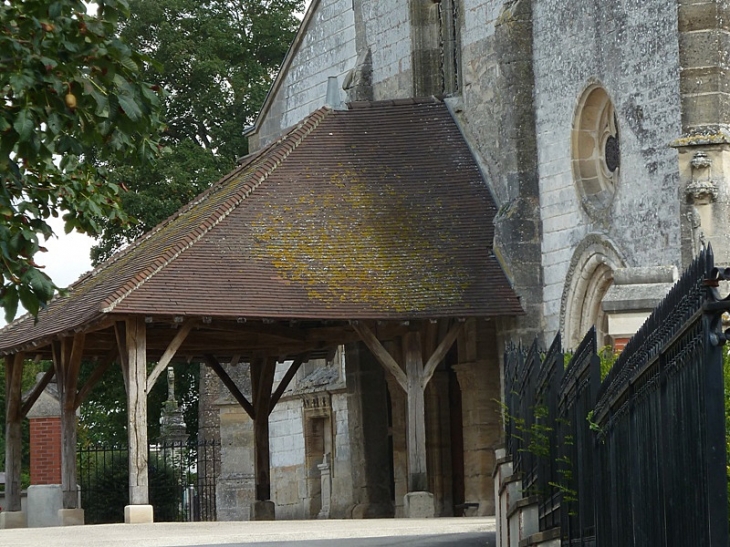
(262, 380)
(67, 361)
(417, 474)
(136, 342)
(13, 417)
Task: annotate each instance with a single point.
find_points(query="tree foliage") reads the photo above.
(216, 60)
(71, 91)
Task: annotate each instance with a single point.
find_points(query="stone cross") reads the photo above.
(170, 384)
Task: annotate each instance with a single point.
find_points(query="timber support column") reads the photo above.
(262, 380)
(67, 361)
(12, 516)
(419, 503)
(139, 510)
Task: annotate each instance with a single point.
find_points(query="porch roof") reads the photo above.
(374, 212)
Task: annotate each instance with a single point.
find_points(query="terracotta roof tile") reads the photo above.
(376, 212)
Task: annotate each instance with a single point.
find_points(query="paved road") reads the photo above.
(442, 532)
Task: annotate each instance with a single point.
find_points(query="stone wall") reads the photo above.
(629, 48)
(286, 442)
(327, 48)
(495, 112)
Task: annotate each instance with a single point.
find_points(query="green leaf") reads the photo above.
(10, 302)
(29, 300)
(129, 64)
(23, 125)
(130, 107)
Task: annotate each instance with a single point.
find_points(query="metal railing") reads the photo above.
(638, 459)
(182, 481)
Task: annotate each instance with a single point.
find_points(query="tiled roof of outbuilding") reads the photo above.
(376, 212)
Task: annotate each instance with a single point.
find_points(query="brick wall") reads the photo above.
(45, 450)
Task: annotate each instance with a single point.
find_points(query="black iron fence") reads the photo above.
(182, 481)
(639, 458)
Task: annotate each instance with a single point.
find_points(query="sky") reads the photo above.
(68, 255)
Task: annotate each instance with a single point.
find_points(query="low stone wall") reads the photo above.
(517, 515)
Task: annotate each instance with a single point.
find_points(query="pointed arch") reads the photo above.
(589, 277)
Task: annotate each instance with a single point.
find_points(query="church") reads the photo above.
(429, 181)
(600, 131)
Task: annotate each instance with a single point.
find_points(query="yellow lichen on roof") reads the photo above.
(362, 243)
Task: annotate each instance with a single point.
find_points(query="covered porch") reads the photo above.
(370, 225)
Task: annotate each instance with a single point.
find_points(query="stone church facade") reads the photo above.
(601, 129)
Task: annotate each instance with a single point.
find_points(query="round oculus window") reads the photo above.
(596, 150)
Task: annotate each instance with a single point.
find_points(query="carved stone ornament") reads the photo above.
(701, 192)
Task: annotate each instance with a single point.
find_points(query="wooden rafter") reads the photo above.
(213, 363)
(170, 352)
(438, 355)
(284, 383)
(95, 377)
(382, 355)
(36, 391)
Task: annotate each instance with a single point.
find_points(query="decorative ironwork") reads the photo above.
(182, 481)
(618, 464)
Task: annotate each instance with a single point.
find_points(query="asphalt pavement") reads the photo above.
(440, 532)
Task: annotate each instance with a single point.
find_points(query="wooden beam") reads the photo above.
(285, 381)
(169, 354)
(440, 352)
(382, 355)
(417, 471)
(73, 367)
(13, 440)
(213, 363)
(37, 390)
(262, 380)
(120, 331)
(71, 351)
(99, 371)
(136, 350)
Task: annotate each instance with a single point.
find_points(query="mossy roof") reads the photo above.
(374, 212)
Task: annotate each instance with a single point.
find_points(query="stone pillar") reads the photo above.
(479, 382)
(45, 437)
(45, 496)
(704, 145)
(326, 487)
(368, 423)
(236, 483)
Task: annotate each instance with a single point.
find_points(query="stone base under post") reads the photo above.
(44, 501)
(70, 517)
(12, 519)
(419, 505)
(138, 514)
(263, 510)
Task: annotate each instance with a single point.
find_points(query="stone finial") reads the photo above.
(702, 190)
(170, 384)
